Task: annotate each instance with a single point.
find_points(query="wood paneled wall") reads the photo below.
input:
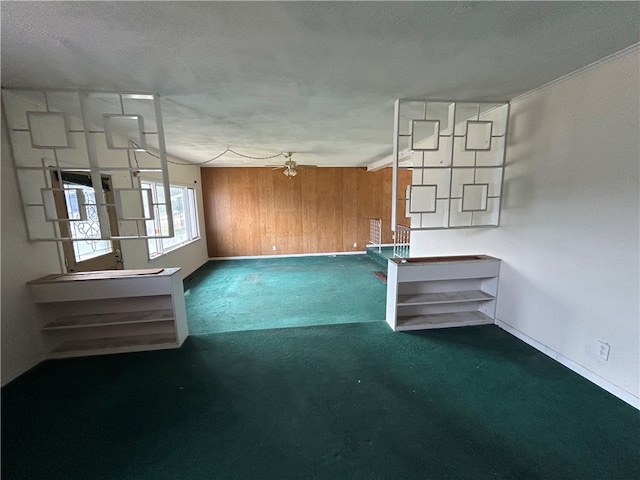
(249, 210)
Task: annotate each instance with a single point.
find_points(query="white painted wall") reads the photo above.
(21, 344)
(569, 238)
(22, 261)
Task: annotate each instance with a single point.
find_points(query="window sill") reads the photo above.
(172, 249)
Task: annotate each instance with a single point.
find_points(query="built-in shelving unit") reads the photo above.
(97, 313)
(440, 292)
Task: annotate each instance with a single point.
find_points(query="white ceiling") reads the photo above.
(318, 78)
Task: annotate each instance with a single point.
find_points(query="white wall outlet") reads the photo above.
(355, 245)
(273, 248)
(603, 350)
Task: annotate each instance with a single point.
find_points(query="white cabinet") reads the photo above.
(96, 313)
(439, 292)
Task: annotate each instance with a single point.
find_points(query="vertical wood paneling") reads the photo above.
(366, 209)
(248, 210)
(288, 214)
(309, 214)
(223, 221)
(404, 179)
(266, 207)
(246, 229)
(329, 194)
(209, 204)
(350, 210)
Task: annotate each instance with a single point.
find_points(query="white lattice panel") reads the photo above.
(456, 153)
(99, 135)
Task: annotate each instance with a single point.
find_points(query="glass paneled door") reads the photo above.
(76, 202)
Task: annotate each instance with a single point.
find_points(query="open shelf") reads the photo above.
(101, 346)
(444, 297)
(109, 319)
(97, 313)
(440, 292)
(442, 320)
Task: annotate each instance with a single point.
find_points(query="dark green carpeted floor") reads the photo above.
(318, 402)
(233, 295)
(323, 402)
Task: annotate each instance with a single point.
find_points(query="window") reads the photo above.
(185, 217)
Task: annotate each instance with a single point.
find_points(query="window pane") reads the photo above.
(162, 219)
(87, 229)
(184, 215)
(71, 200)
(145, 197)
(177, 206)
(154, 249)
(179, 218)
(159, 193)
(149, 224)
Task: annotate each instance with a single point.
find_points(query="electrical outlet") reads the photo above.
(355, 245)
(273, 248)
(603, 350)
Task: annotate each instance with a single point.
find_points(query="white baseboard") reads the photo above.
(328, 254)
(613, 389)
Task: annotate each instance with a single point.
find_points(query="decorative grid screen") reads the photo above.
(456, 153)
(105, 137)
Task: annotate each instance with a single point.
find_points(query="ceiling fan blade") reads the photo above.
(306, 166)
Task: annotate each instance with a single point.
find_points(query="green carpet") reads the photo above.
(348, 401)
(382, 257)
(234, 295)
(339, 397)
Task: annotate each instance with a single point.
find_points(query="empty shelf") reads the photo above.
(108, 319)
(102, 346)
(444, 297)
(440, 320)
(111, 311)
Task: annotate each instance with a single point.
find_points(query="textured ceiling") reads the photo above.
(318, 78)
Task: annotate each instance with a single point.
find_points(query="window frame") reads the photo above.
(190, 202)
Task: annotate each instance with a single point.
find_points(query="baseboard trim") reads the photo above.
(613, 389)
(327, 254)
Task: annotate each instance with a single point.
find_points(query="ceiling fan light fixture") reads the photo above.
(290, 171)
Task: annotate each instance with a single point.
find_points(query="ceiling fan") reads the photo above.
(291, 167)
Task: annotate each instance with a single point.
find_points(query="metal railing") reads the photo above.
(375, 233)
(401, 241)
